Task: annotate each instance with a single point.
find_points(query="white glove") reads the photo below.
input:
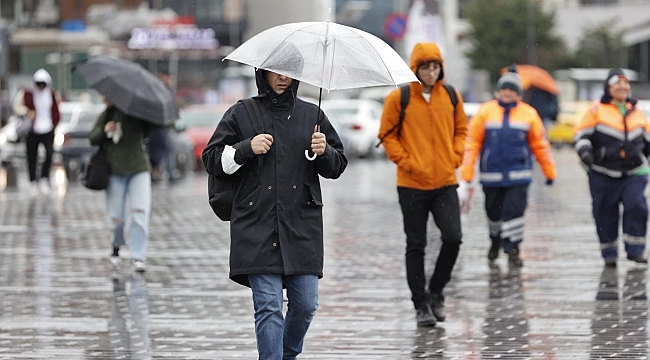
(465, 191)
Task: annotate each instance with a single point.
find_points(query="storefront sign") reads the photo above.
(173, 38)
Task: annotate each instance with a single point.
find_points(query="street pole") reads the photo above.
(530, 33)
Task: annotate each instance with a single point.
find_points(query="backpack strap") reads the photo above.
(255, 114)
(452, 96)
(405, 93)
(404, 101)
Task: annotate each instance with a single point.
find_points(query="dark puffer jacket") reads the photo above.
(277, 223)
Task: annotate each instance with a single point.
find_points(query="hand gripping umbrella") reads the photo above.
(333, 56)
(131, 88)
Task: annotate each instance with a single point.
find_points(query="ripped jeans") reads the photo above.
(137, 188)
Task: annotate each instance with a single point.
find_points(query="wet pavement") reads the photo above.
(59, 299)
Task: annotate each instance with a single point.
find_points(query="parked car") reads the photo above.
(77, 119)
(471, 108)
(198, 123)
(357, 121)
(12, 149)
(560, 132)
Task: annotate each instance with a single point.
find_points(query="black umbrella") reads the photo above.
(131, 88)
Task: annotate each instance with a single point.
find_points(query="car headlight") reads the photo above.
(59, 139)
(3, 138)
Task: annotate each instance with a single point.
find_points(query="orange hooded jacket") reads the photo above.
(432, 140)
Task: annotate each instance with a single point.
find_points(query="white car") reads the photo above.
(357, 121)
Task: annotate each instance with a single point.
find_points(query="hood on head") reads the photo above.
(263, 86)
(286, 60)
(426, 52)
(41, 75)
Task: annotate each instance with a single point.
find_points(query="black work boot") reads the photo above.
(437, 303)
(493, 254)
(638, 259)
(424, 316)
(610, 262)
(514, 259)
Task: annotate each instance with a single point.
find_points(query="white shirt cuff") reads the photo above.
(228, 163)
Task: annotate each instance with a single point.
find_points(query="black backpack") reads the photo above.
(404, 102)
(221, 190)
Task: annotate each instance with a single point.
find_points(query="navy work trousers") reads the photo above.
(607, 194)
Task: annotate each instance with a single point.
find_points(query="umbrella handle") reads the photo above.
(310, 158)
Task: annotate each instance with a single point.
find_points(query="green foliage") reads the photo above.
(498, 31)
(601, 47)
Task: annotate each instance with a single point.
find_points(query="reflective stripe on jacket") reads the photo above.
(506, 137)
(620, 143)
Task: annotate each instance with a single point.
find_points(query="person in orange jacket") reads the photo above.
(613, 142)
(427, 147)
(505, 133)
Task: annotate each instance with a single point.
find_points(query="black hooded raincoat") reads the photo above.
(277, 222)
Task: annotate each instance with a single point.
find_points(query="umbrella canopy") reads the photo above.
(131, 88)
(532, 75)
(325, 54)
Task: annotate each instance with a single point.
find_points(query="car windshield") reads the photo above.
(66, 116)
(200, 118)
(87, 119)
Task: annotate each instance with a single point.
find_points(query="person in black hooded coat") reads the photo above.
(276, 226)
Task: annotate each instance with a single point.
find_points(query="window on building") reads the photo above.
(200, 9)
(598, 2)
(7, 9)
(462, 5)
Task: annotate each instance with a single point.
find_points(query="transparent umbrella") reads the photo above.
(325, 54)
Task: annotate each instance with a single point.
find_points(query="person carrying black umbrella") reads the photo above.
(130, 177)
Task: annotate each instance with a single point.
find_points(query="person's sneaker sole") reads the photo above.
(139, 266)
(638, 259)
(429, 323)
(115, 261)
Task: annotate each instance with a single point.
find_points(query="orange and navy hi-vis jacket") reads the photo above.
(506, 137)
(432, 139)
(619, 143)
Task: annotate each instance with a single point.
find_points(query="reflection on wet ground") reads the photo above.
(59, 299)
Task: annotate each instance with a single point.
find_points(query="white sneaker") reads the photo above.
(139, 266)
(33, 189)
(115, 261)
(45, 186)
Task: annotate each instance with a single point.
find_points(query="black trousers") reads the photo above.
(416, 206)
(33, 140)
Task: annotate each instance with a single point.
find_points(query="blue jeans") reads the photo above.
(279, 338)
(138, 189)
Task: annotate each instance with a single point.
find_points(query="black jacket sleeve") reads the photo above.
(226, 133)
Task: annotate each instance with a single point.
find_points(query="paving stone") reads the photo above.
(60, 300)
